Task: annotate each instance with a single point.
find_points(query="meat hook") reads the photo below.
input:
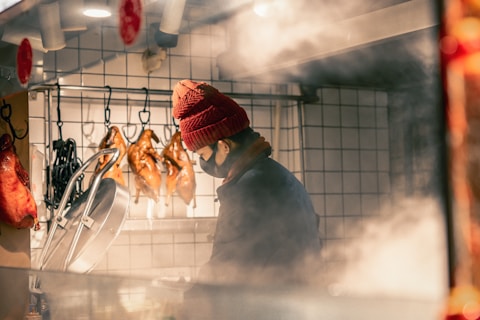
(141, 113)
(177, 127)
(166, 129)
(145, 111)
(6, 116)
(59, 115)
(129, 138)
(107, 108)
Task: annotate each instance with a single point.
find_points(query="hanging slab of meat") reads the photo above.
(113, 139)
(180, 174)
(142, 159)
(17, 206)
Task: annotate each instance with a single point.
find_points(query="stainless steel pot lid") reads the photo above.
(99, 230)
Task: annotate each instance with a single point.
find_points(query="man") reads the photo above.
(267, 229)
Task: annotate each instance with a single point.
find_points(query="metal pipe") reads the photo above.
(43, 87)
(301, 127)
(276, 129)
(167, 34)
(50, 149)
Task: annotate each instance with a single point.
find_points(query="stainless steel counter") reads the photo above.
(80, 296)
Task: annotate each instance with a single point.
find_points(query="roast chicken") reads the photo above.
(17, 206)
(113, 139)
(180, 174)
(142, 159)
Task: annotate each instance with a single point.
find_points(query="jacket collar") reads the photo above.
(259, 148)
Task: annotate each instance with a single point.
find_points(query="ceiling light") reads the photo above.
(96, 9)
(97, 13)
(269, 8)
(261, 8)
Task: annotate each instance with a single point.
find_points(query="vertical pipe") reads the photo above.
(49, 145)
(172, 16)
(167, 33)
(276, 130)
(301, 112)
(53, 37)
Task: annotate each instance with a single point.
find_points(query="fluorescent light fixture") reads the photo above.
(6, 4)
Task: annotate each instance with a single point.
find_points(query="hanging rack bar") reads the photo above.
(141, 91)
(100, 89)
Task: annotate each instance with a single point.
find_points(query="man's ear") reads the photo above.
(224, 145)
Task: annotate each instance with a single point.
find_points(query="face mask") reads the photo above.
(211, 168)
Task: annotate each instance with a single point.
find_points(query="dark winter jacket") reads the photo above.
(267, 229)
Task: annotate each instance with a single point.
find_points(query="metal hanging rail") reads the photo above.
(141, 91)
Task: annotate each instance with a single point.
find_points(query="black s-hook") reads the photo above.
(107, 108)
(6, 113)
(145, 111)
(59, 114)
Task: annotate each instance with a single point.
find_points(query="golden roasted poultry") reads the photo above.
(180, 174)
(142, 158)
(17, 206)
(113, 139)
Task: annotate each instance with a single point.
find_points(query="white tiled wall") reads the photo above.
(346, 158)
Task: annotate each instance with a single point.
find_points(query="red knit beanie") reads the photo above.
(205, 114)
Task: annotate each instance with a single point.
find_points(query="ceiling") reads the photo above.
(389, 64)
(383, 44)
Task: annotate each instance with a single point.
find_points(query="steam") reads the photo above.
(280, 34)
(286, 27)
(401, 253)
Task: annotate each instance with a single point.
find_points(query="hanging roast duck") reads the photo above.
(17, 206)
(180, 174)
(142, 159)
(113, 139)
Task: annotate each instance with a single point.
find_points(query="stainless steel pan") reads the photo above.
(81, 235)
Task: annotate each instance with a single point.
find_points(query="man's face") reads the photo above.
(221, 152)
